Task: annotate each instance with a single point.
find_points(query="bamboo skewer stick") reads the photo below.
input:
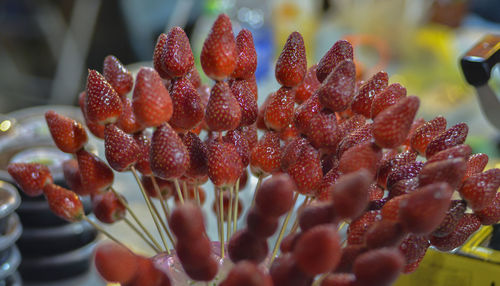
(134, 228)
(282, 231)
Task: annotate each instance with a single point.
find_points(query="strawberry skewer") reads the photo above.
(282, 230)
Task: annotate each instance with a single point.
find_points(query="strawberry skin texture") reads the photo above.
(391, 126)
(388, 97)
(246, 60)
(94, 128)
(337, 90)
(265, 158)
(218, 55)
(308, 86)
(168, 156)
(490, 214)
(454, 214)
(188, 108)
(341, 279)
(177, 58)
(291, 66)
(280, 109)
(161, 45)
(390, 165)
(73, 178)
(378, 267)
(465, 227)
(306, 172)
(68, 135)
(107, 208)
(121, 150)
(414, 247)
(197, 156)
(127, 120)
(425, 133)
(247, 101)
(304, 113)
(144, 143)
(407, 171)
(362, 102)
(350, 194)
(476, 164)
(117, 75)
(453, 136)
(31, 177)
(358, 227)
(323, 132)
(450, 171)
(459, 151)
(64, 203)
(96, 175)
(224, 163)
(479, 190)
(366, 155)
(340, 51)
(102, 103)
(223, 111)
(238, 139)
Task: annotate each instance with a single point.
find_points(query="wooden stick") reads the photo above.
(178, 189)
(163, 203)
(221, 216)
(99, 228)
(282, 231)
(257, 187)
(185, 190)
(197, 193)
(162, 222)
(236, 206)
(134, 228)
(217, 212)
(229, 213)
(295, 225)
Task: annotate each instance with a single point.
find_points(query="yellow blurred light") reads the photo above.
(5, 125)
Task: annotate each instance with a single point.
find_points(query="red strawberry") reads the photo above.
(224, 163)
(260, 123)
(305, 112)
(476, 164)
(73, 178)
(479, 190)
(127, 120)
(197, 155)
(459, 151)
(411, 267)
(392, 164)
(378, 267)
(450, 171)
(316, 214)
(362, 156)
(64, 203)
(167, 188)
(341, 279)
(384, 233)
(291, 66)
(292, 151)
(306, 172)
(340, 51)
(144, 142)
(106, 256)
(121, 149)
(102, 103)
(107, 207)
(423, 210)
(243, 245)
(349, 125)
(349, 254)
(246, 273)
(117, 75)
(308, 86)
(246, 60)
(238, 139)
(223, 111)
(453, 136)
(390, 96)
(151, 101)
(425, 133)
(96, 175)
(247, 101)
(31, 177)
(161, 46)
(252, 84)
(414, 247)
(465, 227)
(147, 274)
(454, 214)
(250, 133)
(188, 108)
(392, 125)
(68, 135)
(323, 132)
(275, 197)
(194, 77)
(94, 128)
(177, 58)
(328, 162)
(361, 135)
(289, 133)
(266, 156)
(219, 53)
(280, 109)
(350, 194)
(491, 213)
(362, 102)
(402, 187)
(358, 227)
(168, 156)
(404, 172)
(414, 126)
(324, 188)
(375, 192)
(337, 90)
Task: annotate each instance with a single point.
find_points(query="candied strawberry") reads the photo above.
(177, 58)
(308, 86)
(224, 163)
(411, 267)
(260, 123)
(102, 103)
(291, 66)
(349, 254)
(388, 97)
(423, 210)
(194, 77)
(275, 197)
(243, 245)
(317, 214)
(223, 111)
(252, 84)
(266, 156)
(402, 187)
(350, 194)
(358, 227)
(378, 267)
(64, 203)
(391, 126)
(144, 143)
(384, 233)
(414, 126)
(465, 227)
(146, 273)
(362, 102)
(246, 273)
(247, 101)
(280, 109)
(246, 56)
(476, 164)
(479, 189)
(454, 214)
(459, 151)
(239, 141)
(375, 192)
(68, 135)
(306, 171)
(168, 156)
(197, 155)
(305, 112)
(107, 207)
(414, 247)
(121, 149)
(392, 164)
(31, 177)
(250, 133)
(292, 151)
(361, 135)
(404, 172)
(151, 101)
(161, 45)
(426, 133)
(390, 210)
(127, 120)
(341, 279)
(219, 53)
(337, 90)
(167, 188)
(450, 171)
(453, 136)
(117, 75)
(323, 132)
(261, 225)
(96, 175)
(94, 128)
(106, 256)
(340, 51)
(73, 178)
(491, 213)
(289, 133)
(188, 108)
(362, 156)
(329, 179)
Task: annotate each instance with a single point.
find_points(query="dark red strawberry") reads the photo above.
(388, 97)
(323, 132)
(358, 227)
(450, 171)
(73, 178)
(197, 156)
(219, 53)
(347, 126)
(455, 212)
(106, 256)
(404, 172)
(102, 103)
(316, 214)
(127, 121)
(121, 150)
(194, 77)
(362, 102)
(238, 139)
(340, 51)
(167, 188)
(414, 126)
(378, 267)
(291, 66)
(384, 233)
(459, 151)
(392, 164)
(289, 133)
(476, 164)
(453, 136)
(96, 175)
(337, 90)
(390, 210)
(425, 133)
(151, 101)
(465, 227)
(31, 177)
(308, 86)
(161, 45)
(328, 162)
(329, 179)
(243, 245)
(266, 156)
(250, 133)
(144, 142)
(247, 101)
(361, 135)
(260, 123)
(64, 203)
(246, 59)
(223, 111)
(246, 273)
(479, 190)
(68, 135)
(188, 108)
(261, 225)
(491, 213)
(341, 279)
(117, 75)
(350, 194)
(292, 151)
(168, 156)
(402, 187)
(392, 125)
(362, 156)
(94, 128)
(177, 58)
(375, 192)
(305, 112)
(306, 171)
(414, 247)
(224, 163)
(411, 267)
(107, 207)
(280, 109)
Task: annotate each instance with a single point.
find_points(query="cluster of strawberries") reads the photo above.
(350, 147)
